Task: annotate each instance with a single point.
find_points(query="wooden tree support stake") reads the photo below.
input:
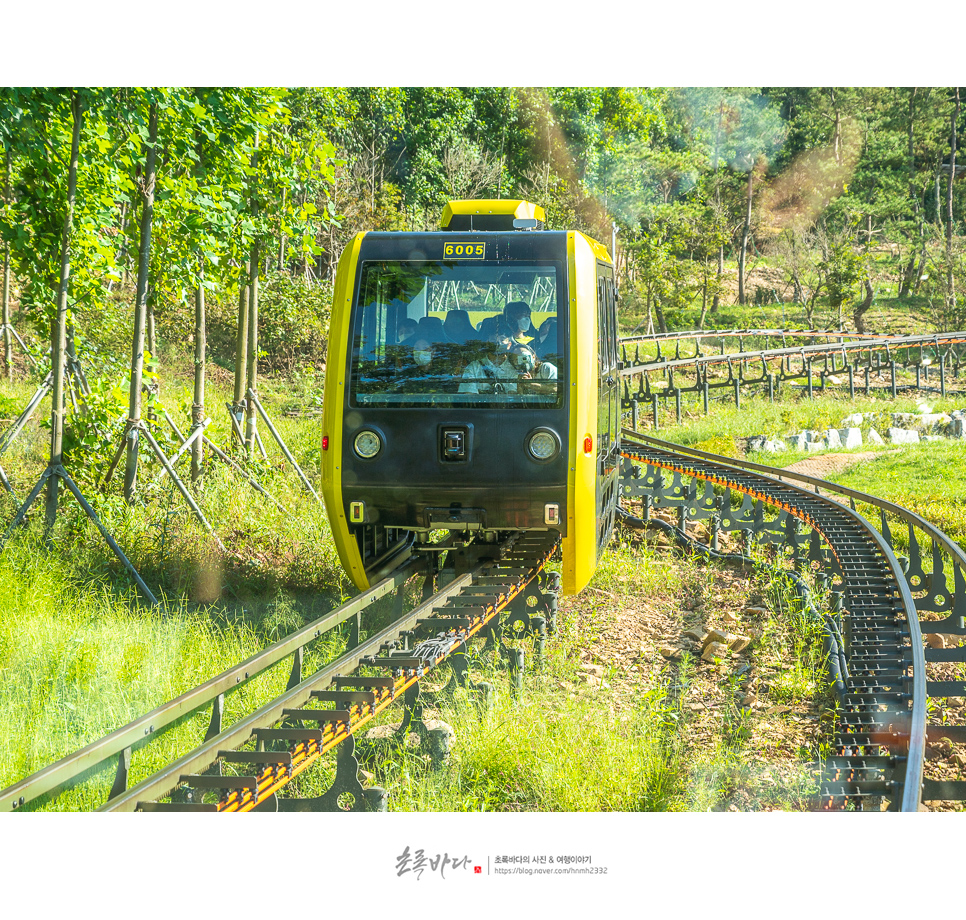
(237, 413)
(288, 454)
(221, 455)
(186, 444)
(133, 431)
(7, 487)
(7, 329)
(56, 471)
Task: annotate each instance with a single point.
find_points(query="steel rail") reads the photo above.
(202, 757)
(92, 755)
(774, 491)
(305, 752)
(751, 333)
(910, 517)
(630, 370)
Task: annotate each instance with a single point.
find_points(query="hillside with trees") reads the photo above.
(837, 190)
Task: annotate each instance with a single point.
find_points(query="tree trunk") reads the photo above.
(716, 300)
(241, 338)
(252, 365)
(950, 280)
(198, 402)
(58, 327)
(906, 281)
(704, 297)
(859, 315)
(908, 276)
(141, 305)
(745, 233)
(152, 338)
(5, 319)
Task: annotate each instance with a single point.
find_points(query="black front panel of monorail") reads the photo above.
(457, 380)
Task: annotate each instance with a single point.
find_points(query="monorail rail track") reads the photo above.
(505, 586)
(889, 602)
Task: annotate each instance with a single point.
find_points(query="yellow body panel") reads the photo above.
(580, 544)
(522, 209)
(332, 404)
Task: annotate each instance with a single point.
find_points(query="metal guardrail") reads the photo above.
(697, 334)
(122, 741)
(631, 367)
(771, 368)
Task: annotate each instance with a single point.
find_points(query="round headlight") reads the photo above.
(543, 445)
(367, 444)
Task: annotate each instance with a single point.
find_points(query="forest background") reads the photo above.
(837, 189)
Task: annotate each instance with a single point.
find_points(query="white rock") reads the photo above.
(796, 441)
(937, 423)
(812, 446)
(852, 421)
(850, 437)
(832, 437)
(773, 446)
(902, 436)
(875, 437)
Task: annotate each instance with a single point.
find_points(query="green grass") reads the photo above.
(78, 661)
(720, 430)
(929, 479)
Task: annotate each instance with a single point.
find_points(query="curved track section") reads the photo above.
(882, 725)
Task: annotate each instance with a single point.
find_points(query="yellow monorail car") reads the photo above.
(471, 386)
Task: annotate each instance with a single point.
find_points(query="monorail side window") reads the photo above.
(451, 334)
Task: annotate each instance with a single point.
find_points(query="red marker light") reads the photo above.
(588, 444)
(325, 442)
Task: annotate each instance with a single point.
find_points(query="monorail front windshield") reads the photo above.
(453, 334)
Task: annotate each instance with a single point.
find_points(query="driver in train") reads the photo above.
(523, 359)
(421, 366)
(405, 330)
(400, 353)
(491, 372)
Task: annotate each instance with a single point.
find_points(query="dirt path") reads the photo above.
(822, 466)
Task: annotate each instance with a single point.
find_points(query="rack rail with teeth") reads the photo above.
(446, 621)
